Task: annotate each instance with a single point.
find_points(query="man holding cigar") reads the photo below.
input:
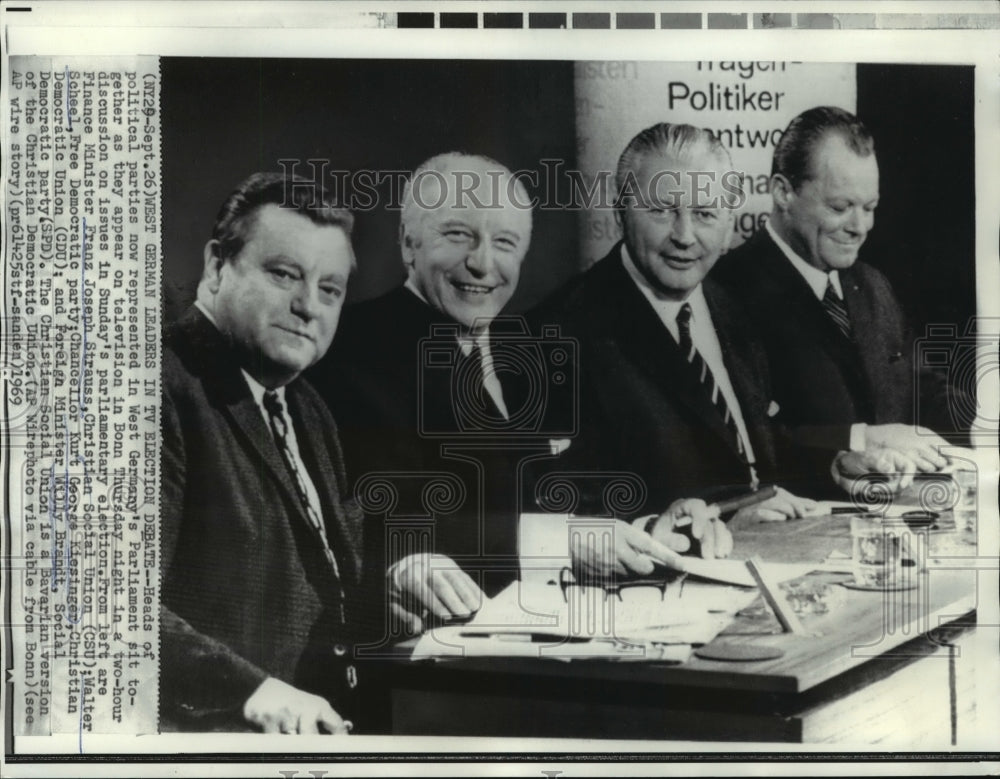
(673, 385)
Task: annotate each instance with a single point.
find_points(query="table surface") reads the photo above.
(860, 625)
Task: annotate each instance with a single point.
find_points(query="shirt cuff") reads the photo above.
(857, 442)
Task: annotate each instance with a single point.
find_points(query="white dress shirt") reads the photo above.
(814, 277)
(703, 335)
(482, 339)
(817, 281)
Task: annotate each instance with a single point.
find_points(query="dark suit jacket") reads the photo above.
(824, 382)
(642, 409)
(246, 593)
(398, 418)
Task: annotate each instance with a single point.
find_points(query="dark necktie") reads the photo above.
(706, 377)
(279, 428)
(473, 388)
(837, 310)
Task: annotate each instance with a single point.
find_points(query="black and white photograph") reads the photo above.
(392, 396)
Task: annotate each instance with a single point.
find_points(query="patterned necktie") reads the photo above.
(706, 377)
(279, 428)
(837, 310)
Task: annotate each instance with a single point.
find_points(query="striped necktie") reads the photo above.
(706, 377)
(279, 429)
(837, 310)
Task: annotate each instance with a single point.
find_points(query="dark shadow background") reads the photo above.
(225, 118)
(922, 118)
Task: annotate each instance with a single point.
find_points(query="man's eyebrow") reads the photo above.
(282, 258)
(336, 278)
(509, 231)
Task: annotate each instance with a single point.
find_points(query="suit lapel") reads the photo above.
(642, 336)
(743, 366)
(249, 423)
(227, 384)
(870, 348)
(310, 433)
(792, 292)
(737, 353)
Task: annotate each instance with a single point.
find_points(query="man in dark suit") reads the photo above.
(840, 354)
(261, 561)
(462, 252)
(436, 407)
(673, 384)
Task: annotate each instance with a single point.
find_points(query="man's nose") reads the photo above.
(860, 221)
(682, 230)
(479, 260)
(305, 301)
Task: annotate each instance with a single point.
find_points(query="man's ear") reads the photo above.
(620, 219)
(213, 266)
(731, 220)
(406, 247)
(782, 191)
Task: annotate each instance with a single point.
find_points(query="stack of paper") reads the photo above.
(635, 623)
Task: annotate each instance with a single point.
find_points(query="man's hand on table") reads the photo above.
(636, 553)
(853, 470)
(633, 552)
(783, 506)
(696, 521)
(919, 447)
(277, 707)
(431, 585)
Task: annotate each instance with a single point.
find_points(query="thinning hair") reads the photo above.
(680, 141)
(793, 154)
(442, 164)
(237, 215)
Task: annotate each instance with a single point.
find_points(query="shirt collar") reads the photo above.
(482, 340)
(411, 285)
(814, 277)
(257, 390)
(667, 308)
(464, 341)
(208, 314)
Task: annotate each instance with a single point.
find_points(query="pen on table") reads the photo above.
(734, 504)
(525, 635)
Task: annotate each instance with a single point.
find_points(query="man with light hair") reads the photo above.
(465, 229)
(674, 386)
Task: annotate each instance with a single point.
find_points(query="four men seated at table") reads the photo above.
(698, 389)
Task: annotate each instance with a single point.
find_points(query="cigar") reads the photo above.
(750, 499)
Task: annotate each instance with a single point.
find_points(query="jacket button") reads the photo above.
(352, 677)
(339, 650)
